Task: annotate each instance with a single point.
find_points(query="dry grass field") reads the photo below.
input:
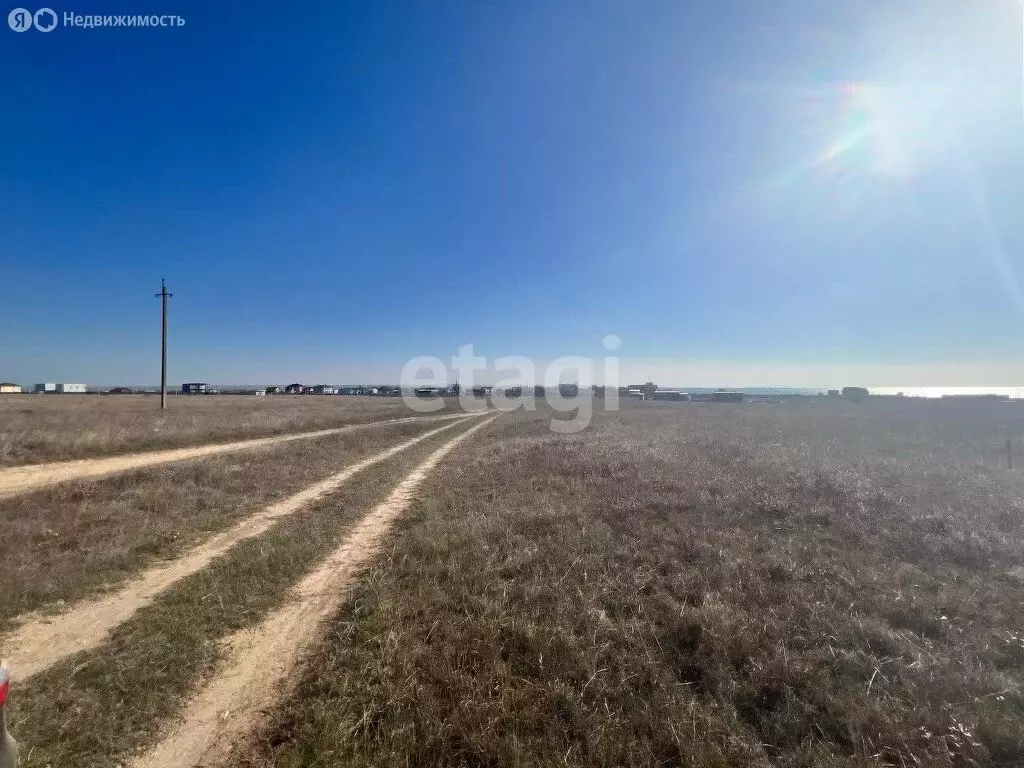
(37, 428)
(68, 541)
(97, 708)
(688, 584)
(682, 584)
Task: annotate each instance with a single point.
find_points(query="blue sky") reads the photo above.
(775, 192)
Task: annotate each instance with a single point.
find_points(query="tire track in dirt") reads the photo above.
(40, 642)
(262, 658)
(18, 480)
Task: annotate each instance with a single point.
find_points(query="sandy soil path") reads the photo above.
(264, 658)
(18, 480)
(42, 641)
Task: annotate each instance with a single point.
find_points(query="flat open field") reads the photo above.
(37, 428)
(682, 584)
(686, 584)
(157, 569)
(69, 540)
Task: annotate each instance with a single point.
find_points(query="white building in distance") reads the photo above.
(60, 389)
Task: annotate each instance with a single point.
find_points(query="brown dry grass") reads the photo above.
(95, 709)
(36, 428)
(66, 542)
(689, 585)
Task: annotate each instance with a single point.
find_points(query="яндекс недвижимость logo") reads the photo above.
(46, 20)
(22, 19)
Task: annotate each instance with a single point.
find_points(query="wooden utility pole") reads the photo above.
(163, 296)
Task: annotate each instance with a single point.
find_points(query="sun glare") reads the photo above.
(879, 131)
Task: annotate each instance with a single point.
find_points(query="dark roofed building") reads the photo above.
(725, 396)
(669, 394)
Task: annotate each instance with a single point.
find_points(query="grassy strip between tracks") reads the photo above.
(96, 708)
(78, 538)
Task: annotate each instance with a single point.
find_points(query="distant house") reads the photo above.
(50, 388)
(9, 388)
(669, 394)
(855, 394)
(482, 391)
(322, 389)
(725, 396)
(195, 388)
(294, 389)
(641, 391)
(428, 392)
(274, 390)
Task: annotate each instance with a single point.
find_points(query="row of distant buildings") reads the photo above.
(202, 388)
(636, 391)
(647, 391)
(50, 388)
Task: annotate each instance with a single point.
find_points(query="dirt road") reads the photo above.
(40, 642)
(262, 659)
(18, 480)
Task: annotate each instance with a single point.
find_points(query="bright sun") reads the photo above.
(885, 131)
